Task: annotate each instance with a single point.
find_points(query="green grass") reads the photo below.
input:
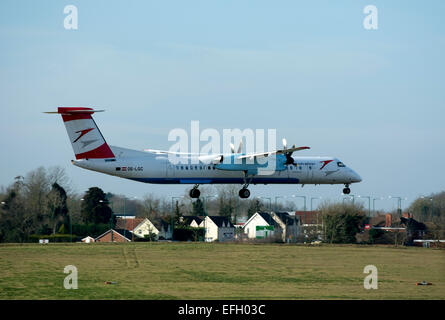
(218, 271)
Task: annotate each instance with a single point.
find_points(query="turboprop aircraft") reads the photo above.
(156, 166)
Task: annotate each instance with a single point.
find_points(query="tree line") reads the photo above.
(43, 202)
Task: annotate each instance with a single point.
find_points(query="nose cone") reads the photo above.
(355, 177)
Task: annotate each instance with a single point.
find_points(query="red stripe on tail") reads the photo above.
(102, 152)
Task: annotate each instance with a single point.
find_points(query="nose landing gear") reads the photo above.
(346, 190)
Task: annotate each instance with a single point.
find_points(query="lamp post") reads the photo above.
(205, 203)
(304, 197)
(270, 202)
(399, 203)
(276, 203)
(369, 204)
(71, 221)
(314, 198)
(205, 213)
(350, 196)
(373, 203)
(173, 214)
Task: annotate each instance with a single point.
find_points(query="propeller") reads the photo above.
(289, 159)
(232, 147)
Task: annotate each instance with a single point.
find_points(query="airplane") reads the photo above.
(154, 166)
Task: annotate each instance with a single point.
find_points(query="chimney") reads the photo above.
(388, 220)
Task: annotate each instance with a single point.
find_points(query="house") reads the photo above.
(218, 228)
(274, 225)
(261, 225)
(164, 228)
(290, 225)
(192, 221)
(311, 224)
(113, 235)
(88, 239)
(140, 227)
(414, 229)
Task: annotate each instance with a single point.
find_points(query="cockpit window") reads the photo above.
(340, 164)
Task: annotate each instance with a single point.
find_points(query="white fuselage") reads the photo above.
(157, 168)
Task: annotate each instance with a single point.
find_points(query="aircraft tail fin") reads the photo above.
(86, 139)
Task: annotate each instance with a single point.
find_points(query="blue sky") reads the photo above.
(373, 98)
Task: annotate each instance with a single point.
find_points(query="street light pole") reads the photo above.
(399, 203)
(318, 222)
(373, 203)
(173, 213)
(369, 204)
(270, 202)
(71, 221)
(304, 197)
(312, 198)
(276, 203)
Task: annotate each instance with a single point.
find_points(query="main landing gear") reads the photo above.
(346, 190)
(244, 193)
(195, 193)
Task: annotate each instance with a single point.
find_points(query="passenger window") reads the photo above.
(209, 167)
(182, 167)
(310, 167)
(186, 167)
(340, 164)
(196, 167)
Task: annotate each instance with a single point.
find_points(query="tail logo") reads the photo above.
(82, 133)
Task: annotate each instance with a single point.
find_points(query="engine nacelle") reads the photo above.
(211, 159)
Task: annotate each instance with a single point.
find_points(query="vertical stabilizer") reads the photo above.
(85, 137)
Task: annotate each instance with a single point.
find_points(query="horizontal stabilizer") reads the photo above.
(73, 110)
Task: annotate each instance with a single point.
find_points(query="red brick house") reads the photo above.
(114, 236)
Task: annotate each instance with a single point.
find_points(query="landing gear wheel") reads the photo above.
(194, 193)
(244, 193)
(346, 190)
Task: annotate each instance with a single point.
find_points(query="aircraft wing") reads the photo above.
(170, 152)
(269, 153)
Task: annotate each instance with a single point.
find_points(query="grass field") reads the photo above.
(218, 271)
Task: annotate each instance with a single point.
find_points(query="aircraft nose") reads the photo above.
(355, 177)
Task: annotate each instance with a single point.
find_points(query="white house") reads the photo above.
(88, 239)
(192, 221)
(273, 225)
(218, 228)
(140, 227)
(261, 225)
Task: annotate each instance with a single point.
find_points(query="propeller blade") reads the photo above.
(240, 146)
